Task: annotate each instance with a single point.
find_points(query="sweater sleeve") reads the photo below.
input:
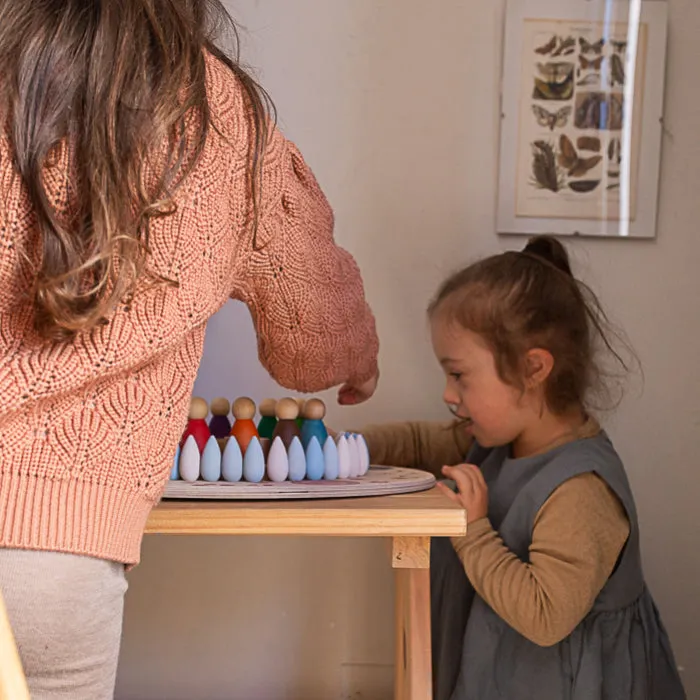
(420, 444)
(315, 329)
(577, 538)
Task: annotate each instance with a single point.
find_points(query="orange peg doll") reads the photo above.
(244, 429)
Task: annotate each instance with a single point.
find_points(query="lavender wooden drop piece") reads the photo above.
(190, 460)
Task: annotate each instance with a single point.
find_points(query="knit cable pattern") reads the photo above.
(88, 427)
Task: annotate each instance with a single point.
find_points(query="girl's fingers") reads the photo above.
(479, 477)
(461, 476)
(449, 492)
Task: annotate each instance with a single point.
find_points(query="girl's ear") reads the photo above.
(538, 366)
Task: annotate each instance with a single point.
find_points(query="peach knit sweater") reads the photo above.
(88, 428)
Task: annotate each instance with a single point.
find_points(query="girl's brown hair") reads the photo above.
(112, 80)
(517, 301)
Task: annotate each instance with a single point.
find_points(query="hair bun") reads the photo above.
(551, 250)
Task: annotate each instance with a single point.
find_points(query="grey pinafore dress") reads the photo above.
(620, 651)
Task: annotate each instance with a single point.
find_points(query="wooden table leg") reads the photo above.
(413, 673)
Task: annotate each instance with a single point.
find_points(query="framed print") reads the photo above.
(582, 117)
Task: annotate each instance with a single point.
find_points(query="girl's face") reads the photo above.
(495, 412)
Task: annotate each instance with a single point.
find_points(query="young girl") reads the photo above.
(545, 597)
(141, 186)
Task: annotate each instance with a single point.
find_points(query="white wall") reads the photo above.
(395, 106)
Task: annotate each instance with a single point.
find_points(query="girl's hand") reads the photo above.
(350, 394)
(473, 493)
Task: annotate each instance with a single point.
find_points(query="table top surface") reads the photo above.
(422, 514)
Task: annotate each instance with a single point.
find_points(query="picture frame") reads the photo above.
(582, 97)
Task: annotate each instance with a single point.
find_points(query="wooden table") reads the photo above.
(410, 521)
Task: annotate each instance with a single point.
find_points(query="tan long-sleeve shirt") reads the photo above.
(577, 537)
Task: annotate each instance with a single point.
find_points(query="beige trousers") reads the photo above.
(66, 614)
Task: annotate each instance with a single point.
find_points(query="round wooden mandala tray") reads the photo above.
(379, 481)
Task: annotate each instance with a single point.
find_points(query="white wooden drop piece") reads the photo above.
(277, 461)
(189, 460)
(364, 454)
(330, 458)
(354, 451)
(343, 458)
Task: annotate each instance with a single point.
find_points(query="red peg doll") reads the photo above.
(197, 425)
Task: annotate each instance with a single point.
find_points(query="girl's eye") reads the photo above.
(456, 375)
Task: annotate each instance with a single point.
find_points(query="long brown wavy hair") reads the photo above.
(114, 80)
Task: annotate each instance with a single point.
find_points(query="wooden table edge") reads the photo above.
(389, 516)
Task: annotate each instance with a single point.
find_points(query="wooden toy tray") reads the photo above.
(379, 481)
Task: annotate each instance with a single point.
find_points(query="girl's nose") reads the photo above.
(450, 396)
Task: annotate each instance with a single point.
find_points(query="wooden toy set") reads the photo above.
(288, 453)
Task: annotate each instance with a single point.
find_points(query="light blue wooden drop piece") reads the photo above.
(190, 460)
(254, 462)
(330, 457)
(175, 471)
(210, 467)
(315, 464)
(277, 461)
(232, 461)
(297, 461)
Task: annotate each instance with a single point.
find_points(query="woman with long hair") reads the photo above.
(142, 184)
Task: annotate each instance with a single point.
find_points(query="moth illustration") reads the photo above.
(556, 83)
(587, 47)
(552, 120)
(588, 143)
(546, 48)
(566, 47)
(617, 71)
(570, 160)
(591, 63)
(584, 185)
(553, 91)
(589, 80)
(598, 110)
(615, 151)
(545, 174)
(555, 72)
(619, 46)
